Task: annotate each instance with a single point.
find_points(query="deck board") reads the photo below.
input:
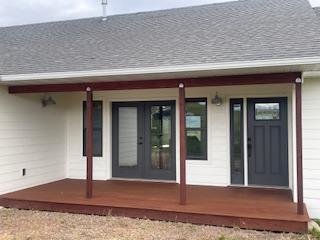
(265, 209)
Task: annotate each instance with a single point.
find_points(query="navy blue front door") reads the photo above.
(268, 142)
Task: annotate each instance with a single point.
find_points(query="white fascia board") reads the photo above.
(168, 69)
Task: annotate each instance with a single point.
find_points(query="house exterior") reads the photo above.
(222, 95)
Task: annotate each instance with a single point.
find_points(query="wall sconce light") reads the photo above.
(217, 100)
(47, 100)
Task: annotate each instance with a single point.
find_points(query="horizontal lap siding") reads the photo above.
(215, 171)
(311, 145)
(76, 161)
(31, 137)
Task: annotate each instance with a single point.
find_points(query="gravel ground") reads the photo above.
(18, 224)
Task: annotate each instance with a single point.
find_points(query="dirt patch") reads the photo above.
(19, 224)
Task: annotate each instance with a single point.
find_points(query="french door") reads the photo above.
(143, 140)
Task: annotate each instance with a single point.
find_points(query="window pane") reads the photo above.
(267, 111)
(237, 176)
(97, 142)
(97, 128)
(196, 125)
(161, 137)
(196, 144)
(97, 114)
(196, 114)
(128, 136)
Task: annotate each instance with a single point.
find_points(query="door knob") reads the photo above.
(249, 147)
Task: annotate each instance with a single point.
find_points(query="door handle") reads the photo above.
(249, 148)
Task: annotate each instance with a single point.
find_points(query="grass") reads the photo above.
(314, 232)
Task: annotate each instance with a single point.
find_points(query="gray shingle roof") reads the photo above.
(245, 30)
(317, 10)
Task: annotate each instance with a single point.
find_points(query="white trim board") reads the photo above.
(287, 62)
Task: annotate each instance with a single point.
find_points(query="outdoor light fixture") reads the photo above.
(217, 100)
(47, 100)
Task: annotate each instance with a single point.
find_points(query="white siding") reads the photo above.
(311, 145)
(214, 171)
(31, 137)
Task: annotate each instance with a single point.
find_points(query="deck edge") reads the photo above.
(171, 216)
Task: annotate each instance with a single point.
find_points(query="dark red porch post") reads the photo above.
(89, 140)
(182, 144)
(299, 146)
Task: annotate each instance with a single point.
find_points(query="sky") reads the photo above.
(17, 12)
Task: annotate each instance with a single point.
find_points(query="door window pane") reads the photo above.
(196, 129)
(97, 128)
(161, 137)
(128, 136)
(236, 125)
(267, 111)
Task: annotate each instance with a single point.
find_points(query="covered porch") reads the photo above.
(218, 201)
(250, 208)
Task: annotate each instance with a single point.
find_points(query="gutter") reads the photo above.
(166, 69)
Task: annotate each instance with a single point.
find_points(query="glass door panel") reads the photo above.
(160, 140)
(128, 135)
(127, 140)
(161, 137)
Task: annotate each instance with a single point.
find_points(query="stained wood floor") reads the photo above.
(263, 209)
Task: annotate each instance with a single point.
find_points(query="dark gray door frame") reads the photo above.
(143, 170)
(132, 172)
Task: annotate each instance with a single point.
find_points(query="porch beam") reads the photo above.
(183, 147)
(275, 78)
(89, 141)
(300, 207)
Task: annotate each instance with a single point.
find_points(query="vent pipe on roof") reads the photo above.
(104, 9)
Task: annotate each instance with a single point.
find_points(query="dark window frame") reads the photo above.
(84, 129)
(236, 179)
(202, 129)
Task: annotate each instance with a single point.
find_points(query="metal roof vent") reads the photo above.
(104, 9)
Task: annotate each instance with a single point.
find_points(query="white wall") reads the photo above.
(311, 144)
(31, 137)
(214, 171)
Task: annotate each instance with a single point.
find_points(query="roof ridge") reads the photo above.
(128, 14)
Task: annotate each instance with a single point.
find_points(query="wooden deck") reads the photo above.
(261, 209)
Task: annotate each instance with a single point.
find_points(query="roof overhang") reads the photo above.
(310, 64)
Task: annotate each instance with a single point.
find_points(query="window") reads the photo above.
(236, 141)
(97, 129)
(267, 111)
(196, 128)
